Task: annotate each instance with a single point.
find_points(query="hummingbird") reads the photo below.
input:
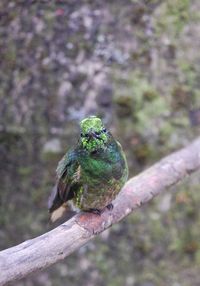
(90, 175)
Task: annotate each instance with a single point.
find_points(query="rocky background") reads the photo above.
(134, 63)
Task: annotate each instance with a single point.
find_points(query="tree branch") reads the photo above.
(40, 252)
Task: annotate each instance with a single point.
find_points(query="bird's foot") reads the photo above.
(98, 211)
(110, 207)
(95, 211)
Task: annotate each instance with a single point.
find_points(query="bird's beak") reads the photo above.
(92, 135)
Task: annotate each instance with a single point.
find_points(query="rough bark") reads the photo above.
(40, 252)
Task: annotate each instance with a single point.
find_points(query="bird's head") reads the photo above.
(93, 133)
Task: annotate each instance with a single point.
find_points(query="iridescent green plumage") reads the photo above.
(90, 175)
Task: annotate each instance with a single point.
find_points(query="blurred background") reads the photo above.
(135, 64)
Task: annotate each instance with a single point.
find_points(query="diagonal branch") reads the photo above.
(38, 253)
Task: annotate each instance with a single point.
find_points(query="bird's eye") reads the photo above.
(84, 135)
(104, 130)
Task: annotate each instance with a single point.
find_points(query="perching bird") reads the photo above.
(90, 175)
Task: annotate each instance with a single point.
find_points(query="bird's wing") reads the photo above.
(67, 174)
(119, 163)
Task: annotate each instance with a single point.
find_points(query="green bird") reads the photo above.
(90, 175)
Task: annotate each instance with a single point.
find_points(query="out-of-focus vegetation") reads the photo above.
(137, 65)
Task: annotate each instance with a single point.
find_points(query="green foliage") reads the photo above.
(172, 16)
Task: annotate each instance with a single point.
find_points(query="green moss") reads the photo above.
(171, 17)
(124, 105)
(165, 131)
(148, 114)
(11, 54)
(188, 72)
(141, 100)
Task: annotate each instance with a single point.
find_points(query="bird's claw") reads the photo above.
(110, 207)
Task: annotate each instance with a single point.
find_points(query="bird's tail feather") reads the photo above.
(59, 212)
